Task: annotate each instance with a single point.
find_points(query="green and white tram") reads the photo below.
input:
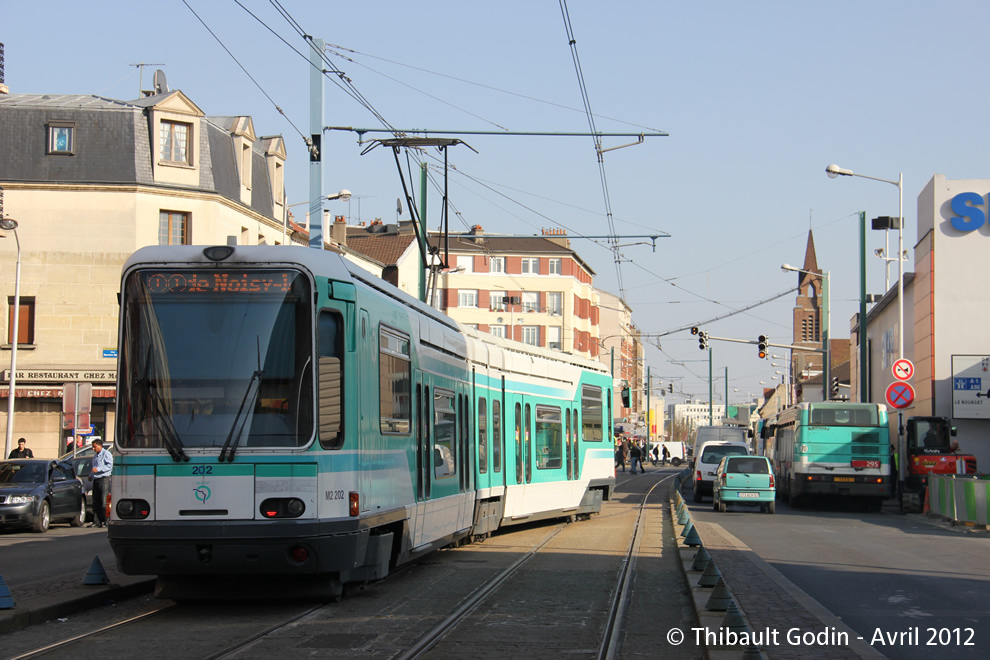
(283, 413)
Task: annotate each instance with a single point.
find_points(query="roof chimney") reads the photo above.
(478, 232)
(338, 231)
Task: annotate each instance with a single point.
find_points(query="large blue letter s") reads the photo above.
(970, 218)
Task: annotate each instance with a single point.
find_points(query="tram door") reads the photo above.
(424, 454)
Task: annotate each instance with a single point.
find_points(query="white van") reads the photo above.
(711, 445)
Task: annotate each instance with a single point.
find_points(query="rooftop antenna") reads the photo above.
(140, 66)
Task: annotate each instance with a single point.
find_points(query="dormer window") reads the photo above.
(175, 142)
(61, 136)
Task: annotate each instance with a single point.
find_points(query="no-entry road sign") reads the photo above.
(900, 395)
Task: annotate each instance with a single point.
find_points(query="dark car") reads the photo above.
(36, 493)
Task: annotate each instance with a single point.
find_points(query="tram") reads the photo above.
(283, 413)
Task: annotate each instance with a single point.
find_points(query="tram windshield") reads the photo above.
(214, 357)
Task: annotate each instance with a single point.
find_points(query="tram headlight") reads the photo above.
(133, 509)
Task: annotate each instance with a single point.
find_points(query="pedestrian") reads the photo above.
(656, 456)
(666, 455)
(100, 470)
(620, 456)
(22, 451)
(637, 458)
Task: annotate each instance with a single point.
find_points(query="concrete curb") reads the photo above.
(69, 601)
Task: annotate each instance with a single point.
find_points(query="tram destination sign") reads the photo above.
(189, 282)
(971, 386)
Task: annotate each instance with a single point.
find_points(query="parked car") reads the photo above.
(706, 460)
(744, 480)
(81, 464)
(36, 493)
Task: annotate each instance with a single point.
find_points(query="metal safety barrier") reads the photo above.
(959, 498)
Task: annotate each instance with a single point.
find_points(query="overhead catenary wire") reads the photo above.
(572, 42)
(246, 72)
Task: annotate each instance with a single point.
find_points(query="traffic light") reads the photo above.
(764, 342)
(835, 387)
(625, 396)
(694, 330)
(703, 340)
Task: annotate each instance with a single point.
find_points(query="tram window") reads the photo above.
(444, 432)
(482, 436)
(574, 446)
(519, 445)
(591, 413)
(331, 381)
(529, 444)
(549, 438)
(394, 382)
(497, 436)
(567, 449)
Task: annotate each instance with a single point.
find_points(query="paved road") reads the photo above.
(898, 581)
(29, 562)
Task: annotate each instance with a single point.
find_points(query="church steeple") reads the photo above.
(807, 326)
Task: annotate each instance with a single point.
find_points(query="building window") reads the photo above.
(25, 321)
(496, 265)
(246, 166)
(497, 331)
(554, 266)
(175, 142)
(809, 329)
(531, 301)
(496, 300)
(173, 228)
(60, 137)
(466, 262)
(467, 298)
(555, 303)
(531, 266)
(531, 335)
(553, 337)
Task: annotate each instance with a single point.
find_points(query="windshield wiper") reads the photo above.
(163, 422)
(230, 444)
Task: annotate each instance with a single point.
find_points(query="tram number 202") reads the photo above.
(332, 495)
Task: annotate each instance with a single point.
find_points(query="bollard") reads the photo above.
(96, 574)
(720, 598)
(692, 540)
(700, 559)
(683, 517)
(733, 620)
(711, 575)
(752, 653)
(687, 528)
(6, 600)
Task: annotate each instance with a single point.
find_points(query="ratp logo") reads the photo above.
(202, 493)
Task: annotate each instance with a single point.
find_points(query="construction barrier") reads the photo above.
(959, 498)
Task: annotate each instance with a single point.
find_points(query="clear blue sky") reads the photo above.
(758, 97)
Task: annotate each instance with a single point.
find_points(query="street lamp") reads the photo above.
(9, 224)
(826, 338)
(834, 171)
(315, 218)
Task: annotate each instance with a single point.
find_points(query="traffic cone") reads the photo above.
(96, 574)
(700, 559)
(720, 598)
(711, 575)
(6, 600)
(733, 619)
(925, 508)
(692, 539)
